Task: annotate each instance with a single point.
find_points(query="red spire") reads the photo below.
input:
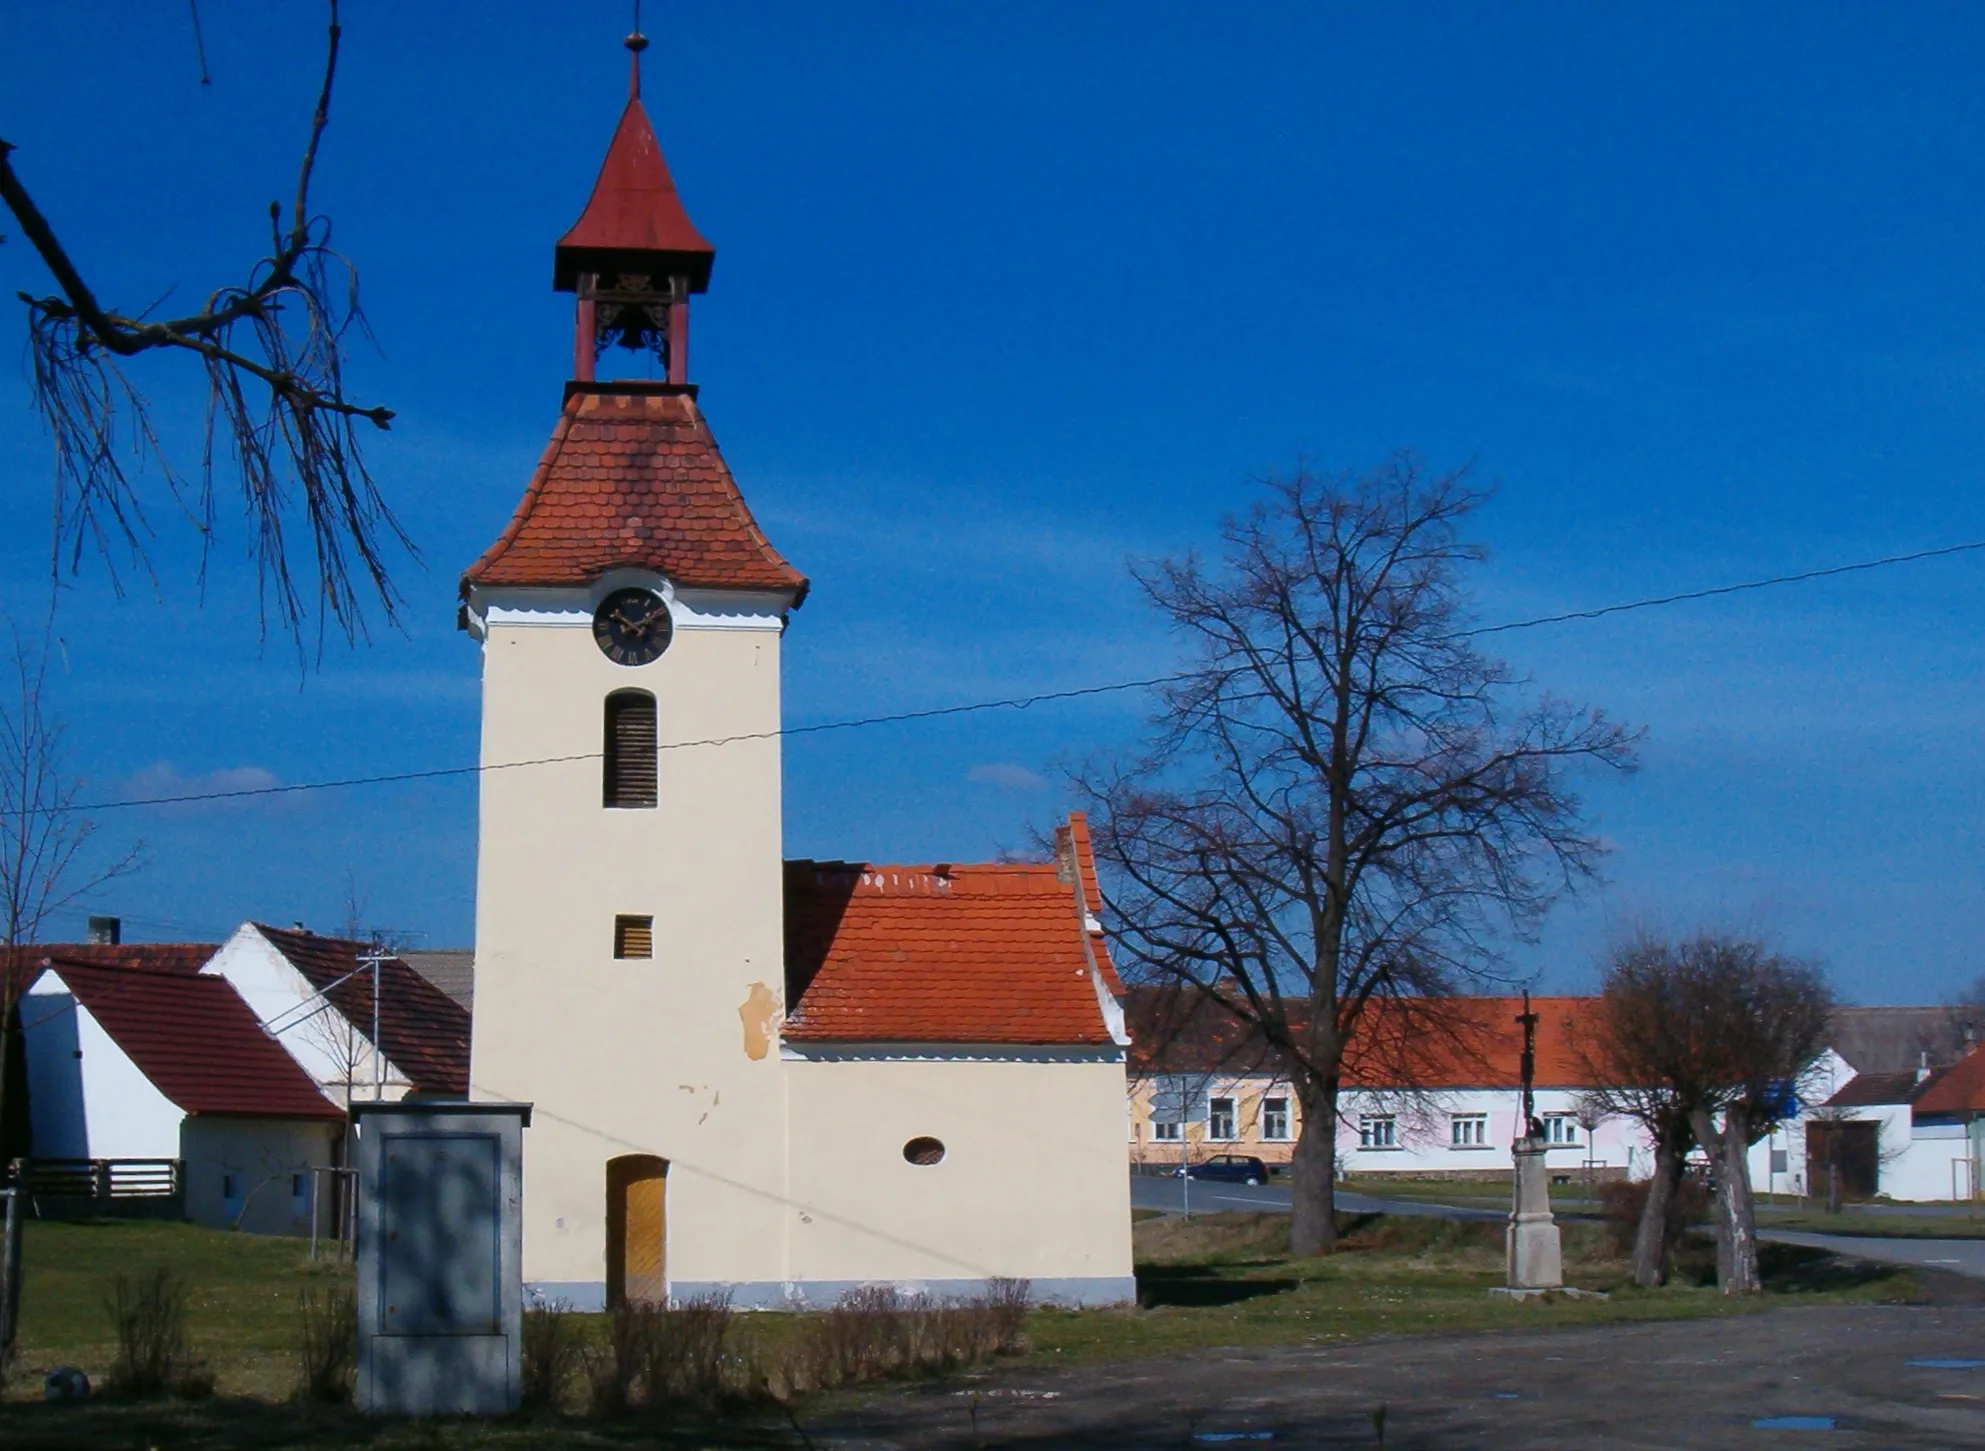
(634, 222)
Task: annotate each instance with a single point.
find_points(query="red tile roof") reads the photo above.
(1959, 1088)
(181, 957)
(634, 221)
(1465, 1042)
(422, 1031)
(633, 478)
(1074, 852)
(937, 954)
(197, 1041)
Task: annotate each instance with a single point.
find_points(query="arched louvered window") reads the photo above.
(630, 749)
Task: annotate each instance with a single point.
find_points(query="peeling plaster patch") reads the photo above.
(756, 1012)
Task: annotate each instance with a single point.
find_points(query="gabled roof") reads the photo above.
(632, 478)
(1866, 1090)
(180, 957)
(1892, 1039)
(1442, 1043)
(452, 969)
(422, 1031)
(634, 221)
(937, 954)
(1960, 1088)
(197, 1041)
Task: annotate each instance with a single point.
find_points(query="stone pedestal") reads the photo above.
(1536, 1260)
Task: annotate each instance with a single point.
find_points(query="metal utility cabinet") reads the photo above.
(440, 1256)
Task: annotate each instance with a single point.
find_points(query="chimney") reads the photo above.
(1922, 1065)
(106, 931)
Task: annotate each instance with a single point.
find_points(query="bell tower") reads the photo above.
(629, 952)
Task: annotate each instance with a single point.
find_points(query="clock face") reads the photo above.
(632, 626)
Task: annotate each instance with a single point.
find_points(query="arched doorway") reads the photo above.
(637, 1229)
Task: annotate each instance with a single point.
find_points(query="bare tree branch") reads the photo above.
(272, 349)
(1344, 806)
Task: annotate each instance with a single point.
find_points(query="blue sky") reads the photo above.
(1005, 295)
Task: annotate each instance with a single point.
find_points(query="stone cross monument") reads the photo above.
(1536, 1259)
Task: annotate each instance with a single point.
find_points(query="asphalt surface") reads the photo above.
(1168, 1194)
(1957, 1256)
(1897, 1378)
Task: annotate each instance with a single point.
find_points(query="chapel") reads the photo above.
(776, 1080)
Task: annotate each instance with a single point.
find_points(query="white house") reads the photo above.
(1905, 1134)
(168, 1066)
(1432, 1099)
(316, 994)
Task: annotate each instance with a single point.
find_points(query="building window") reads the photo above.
(230, 1187)
(629, 754)
(1378, 1131)
(1220, 1118)
(299, 1187)
(1561, 1130)
(1471, 1130)
(634, 937)
(1169, 1132)
(923, 1151)
(1275, 1119)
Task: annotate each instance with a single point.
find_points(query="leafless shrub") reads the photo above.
(654, 1355)
(685, 1351)
(552, 1352)
(1622, 1202)
(614, 1366)
(154, 1357)
(876, 1332)
(327, 1346)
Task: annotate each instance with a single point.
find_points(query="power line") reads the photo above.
(1018, 702)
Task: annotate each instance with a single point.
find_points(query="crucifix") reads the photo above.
(1531, 1128)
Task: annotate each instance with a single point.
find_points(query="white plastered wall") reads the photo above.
(266, 1159)
(88, 1098)
(1029, 1186)
(334, 1052)
(674, 1056)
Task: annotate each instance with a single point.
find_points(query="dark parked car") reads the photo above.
(1231, 1169)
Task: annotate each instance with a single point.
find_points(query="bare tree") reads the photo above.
(47, 865)
(1345, 806)
(272, 348)
(1769, 1019)
(1704, 1042)
(1644, 1055)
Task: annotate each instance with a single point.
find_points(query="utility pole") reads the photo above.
(373, 960)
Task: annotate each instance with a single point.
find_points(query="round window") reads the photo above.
(924, 1151)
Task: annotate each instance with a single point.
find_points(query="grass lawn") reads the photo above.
(1898, 1223)
(1218, 1280)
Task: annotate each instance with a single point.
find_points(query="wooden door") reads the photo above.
(637, 1230)
(1849, 1148)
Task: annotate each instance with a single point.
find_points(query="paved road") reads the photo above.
(1879, 1377)
(1148, 1191)
(1959, 1256)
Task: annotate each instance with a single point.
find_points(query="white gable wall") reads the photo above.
(98, 1105)
(333, 1051)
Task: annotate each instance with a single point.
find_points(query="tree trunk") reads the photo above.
(1738, 1219)
(1712, 1144)
(1650, 1247)
(1313, 1198)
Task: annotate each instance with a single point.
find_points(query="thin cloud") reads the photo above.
(162, 781)
(1007, 776)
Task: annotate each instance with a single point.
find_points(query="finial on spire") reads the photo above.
(636, 42)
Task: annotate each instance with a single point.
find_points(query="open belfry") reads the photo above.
(777, 1079)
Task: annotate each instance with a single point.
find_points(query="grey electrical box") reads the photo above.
(440, 1256)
